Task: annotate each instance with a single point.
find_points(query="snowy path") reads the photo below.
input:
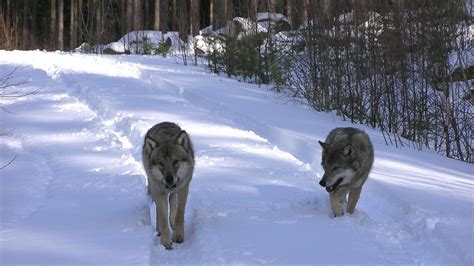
(76, 193)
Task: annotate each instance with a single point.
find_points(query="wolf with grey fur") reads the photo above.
(347, 158)
(168, 158)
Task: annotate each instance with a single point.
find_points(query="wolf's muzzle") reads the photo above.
(170, 186)
(170, 182)
(333, 187)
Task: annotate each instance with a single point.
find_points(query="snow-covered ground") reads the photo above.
(76, 191)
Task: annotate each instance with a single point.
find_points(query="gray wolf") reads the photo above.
(168, 159)
(347, 158)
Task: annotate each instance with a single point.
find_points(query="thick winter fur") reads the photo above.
(347, 158)
(168, 158)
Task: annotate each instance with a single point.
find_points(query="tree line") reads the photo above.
(63, 25)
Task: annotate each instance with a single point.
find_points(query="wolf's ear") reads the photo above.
(347, 150)
(183, 139)
(150, 143)
(325, 146)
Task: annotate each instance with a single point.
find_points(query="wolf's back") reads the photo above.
(164, 132)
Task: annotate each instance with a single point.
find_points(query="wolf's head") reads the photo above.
(338, 164)
(170, 162)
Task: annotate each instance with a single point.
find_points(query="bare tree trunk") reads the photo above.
(129, 16)
(291, 13)
(156, 24)
(73, 25)
(122, 14)
(34, 27)
(146, 20)
(24, 27)
(253, 10)
(61, 25)
(183, 20)
(174, 16)
(79, 19)
(229, 6)
(137, 15)
(271, 6)
(447, 121)
(294, 9)
(218, 14)
(165, 4)
(195, 17)
(98, 21)
(211, 12)
(8, 13)
(262, 6)
(230, 16)
(304, 11)
(53, 25)
(214, 14)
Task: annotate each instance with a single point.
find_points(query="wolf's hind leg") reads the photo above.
(354, 195)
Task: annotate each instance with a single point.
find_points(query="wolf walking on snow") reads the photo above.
(347, 158)
(168, 158)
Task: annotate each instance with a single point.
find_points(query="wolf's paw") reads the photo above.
(166, 243)
(178, 238)
(337, 211)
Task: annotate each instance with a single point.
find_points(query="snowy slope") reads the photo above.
(76, 192)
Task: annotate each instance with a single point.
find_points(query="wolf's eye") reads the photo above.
(335, 168)
(175, 162)
(160, 164)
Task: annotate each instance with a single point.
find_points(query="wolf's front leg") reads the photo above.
(178, 232)
(173, 208)
(157, 220)
(162, 221)
(336, 204)
(354, 195)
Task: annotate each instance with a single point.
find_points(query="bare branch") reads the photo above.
(6, 85)
(10, 162)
